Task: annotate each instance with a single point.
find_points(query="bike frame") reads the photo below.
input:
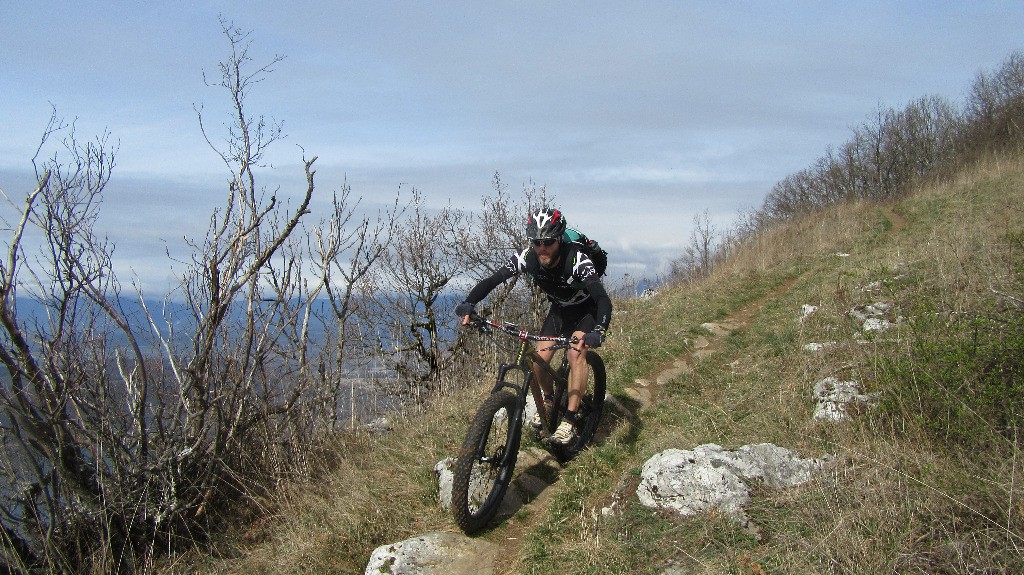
(526, 357)
(492, 445)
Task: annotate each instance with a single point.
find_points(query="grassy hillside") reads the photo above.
(925, 482)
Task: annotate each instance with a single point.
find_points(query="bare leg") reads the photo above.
(541, 376)
(579, 371)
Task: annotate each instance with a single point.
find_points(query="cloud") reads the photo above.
(636, 116)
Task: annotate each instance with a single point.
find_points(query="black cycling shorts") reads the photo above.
(565, 320)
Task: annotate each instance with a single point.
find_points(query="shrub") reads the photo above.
(962, 378)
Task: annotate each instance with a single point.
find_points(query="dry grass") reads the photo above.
(896, 499)
(374, 490)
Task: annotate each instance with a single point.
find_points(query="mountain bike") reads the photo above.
(488, 455)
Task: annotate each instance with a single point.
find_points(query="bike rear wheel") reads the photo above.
(590, 410)
(486, 460)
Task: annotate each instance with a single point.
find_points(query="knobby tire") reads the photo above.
(480, 480)
(590, 410)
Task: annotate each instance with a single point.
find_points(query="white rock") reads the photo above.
(878, 309)
(443, 472)
(712, 478)
(806, 311)
(822, 346)
(876, 324)
(863, 313)
(776, 466)
(611, 510)
(690, 483)
(479, 487)
(379, 425)
(530, 411)
(834, 395)
(434, 553)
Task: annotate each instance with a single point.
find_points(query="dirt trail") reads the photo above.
(645, 392)
(537, 473)
(536, 479)
(896, 219)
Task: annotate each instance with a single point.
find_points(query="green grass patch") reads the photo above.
(963, 378)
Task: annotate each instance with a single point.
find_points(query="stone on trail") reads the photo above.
(434, 553)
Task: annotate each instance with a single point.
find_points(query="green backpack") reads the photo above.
(589, 247)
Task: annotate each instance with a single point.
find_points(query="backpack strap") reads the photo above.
(572, 259)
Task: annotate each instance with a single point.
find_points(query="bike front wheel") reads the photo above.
(486, 460)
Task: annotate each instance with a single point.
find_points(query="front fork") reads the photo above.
(533, 386)
(515, 419)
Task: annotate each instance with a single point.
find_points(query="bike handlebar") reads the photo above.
(482, 324)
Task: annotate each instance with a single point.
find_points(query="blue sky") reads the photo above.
(635, 115)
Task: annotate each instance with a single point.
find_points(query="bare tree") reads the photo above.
(995, 108)
(433, 258)
(343, 258)
(123, 430)
(702, 241)
(699, 256)
(409, 310)
(53, 400)
(497, 232)
(883, 159)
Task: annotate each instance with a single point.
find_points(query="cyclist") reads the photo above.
(580, 306)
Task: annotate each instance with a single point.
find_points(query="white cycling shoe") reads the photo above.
(565, 433)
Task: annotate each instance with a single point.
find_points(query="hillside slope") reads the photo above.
(924, 481)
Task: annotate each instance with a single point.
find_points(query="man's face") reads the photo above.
(547, 251)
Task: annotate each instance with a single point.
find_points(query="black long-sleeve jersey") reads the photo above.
(574, 281)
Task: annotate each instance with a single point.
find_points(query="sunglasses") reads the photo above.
(545, 242)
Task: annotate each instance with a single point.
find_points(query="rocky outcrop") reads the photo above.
(434, 553)
(710, 478)
(478, 488)
(706, 478)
